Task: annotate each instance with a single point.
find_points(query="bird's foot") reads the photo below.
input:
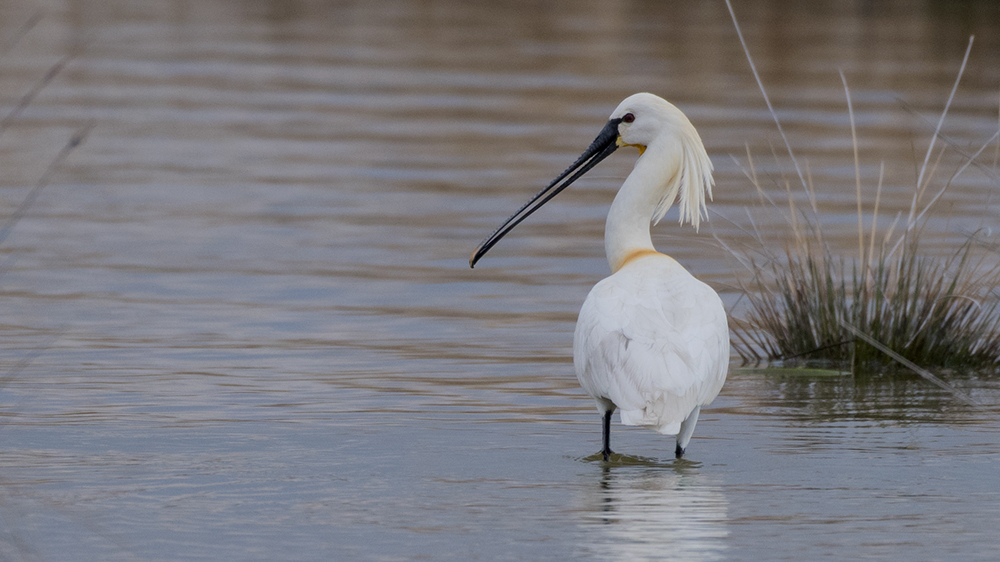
(606, 453)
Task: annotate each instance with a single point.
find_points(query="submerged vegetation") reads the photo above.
(893, 303)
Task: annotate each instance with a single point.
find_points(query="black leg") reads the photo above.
(606, 451)
(678, 452)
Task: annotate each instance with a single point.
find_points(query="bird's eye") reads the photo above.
(628, 118)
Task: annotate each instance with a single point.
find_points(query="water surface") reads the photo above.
(239, 322)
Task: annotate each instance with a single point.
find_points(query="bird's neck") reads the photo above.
(626, 232)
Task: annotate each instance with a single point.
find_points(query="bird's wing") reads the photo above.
(655, 342)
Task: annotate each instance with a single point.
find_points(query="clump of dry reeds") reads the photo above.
(891, 303)
(808, 304)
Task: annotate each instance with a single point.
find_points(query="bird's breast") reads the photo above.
(652, 333)
(635, 255)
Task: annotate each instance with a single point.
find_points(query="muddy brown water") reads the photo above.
(239, 323)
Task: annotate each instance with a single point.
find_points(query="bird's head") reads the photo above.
(641, 118)
(661, 132)
(646, 120)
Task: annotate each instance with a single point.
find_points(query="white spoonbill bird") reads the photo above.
(651, 340)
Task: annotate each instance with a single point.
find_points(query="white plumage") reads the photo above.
(651, 340)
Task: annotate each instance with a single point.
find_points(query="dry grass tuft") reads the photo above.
(890, 304)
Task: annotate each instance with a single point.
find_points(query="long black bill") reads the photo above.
(603, 145)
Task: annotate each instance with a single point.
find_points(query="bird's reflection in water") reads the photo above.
(644, 509)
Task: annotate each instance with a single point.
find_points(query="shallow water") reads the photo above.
(239, 322)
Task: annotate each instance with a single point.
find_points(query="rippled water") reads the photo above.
(239, 323)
